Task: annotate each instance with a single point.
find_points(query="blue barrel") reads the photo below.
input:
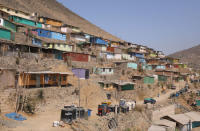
(89, 112)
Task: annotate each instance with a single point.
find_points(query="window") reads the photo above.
(54, 77)
(104, 69)
(64, 46)
(16, 11)
(58, 45)
(8, 9)
(64, 78)
(110, 70)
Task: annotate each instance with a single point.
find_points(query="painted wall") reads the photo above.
(58, 36)
(44, 80)
(132, 65)
(10, 26)
(1, 21)
(142, 60)
(110, 56)
(50, 34)
(43, 33)
(128, 57)
(5, 34)
(36, 42)
(63, 47)
(25, 21)
(76, 57)
(117, 56)
(98, 41)
(148, 80)
(105, 71)
(161, 67)
(81, 73)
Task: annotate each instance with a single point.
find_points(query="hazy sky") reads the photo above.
(167, 25)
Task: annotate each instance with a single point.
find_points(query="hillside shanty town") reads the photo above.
(56, 77)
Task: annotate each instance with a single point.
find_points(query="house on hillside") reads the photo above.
(148, 80)
(6, 34)
(37, 42)
(99, 41)
(104, 71)
(59, 46)
(81, 73)
(142, 49)
(74, 56)
(128, 57)
(50, 21)
(17, 13)
(78, 38)
(24, 21)
(8, 25)
(123, 86)
(160, 54)
(132, 65)
(50, 34)
(185, 122)
(43, 79)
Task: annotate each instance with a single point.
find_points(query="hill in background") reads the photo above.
(54, 9)
(189, 56)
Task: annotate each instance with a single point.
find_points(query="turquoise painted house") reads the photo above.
(132, 65)
(147, 67)
(161, 67)
(5, 34)
(10, 26)
(25, 21)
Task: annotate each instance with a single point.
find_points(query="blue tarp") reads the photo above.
(15, 116)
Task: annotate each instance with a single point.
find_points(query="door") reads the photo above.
(37, 81)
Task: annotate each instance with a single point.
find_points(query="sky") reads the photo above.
(166, 25)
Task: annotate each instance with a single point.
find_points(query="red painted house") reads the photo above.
(73, 56)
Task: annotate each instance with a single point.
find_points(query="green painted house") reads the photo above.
(148, 80)
(25, 21)
(162, 78)
(5, 34)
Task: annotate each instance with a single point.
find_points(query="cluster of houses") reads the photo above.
(57, 40)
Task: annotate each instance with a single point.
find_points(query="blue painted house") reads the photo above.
(138, 55)
(99, 41)
(50, 34)
(36, 42)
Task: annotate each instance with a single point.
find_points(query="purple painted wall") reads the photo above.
(80, 73)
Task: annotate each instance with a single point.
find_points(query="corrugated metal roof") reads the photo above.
(156, 128)
(49, 72)
(165, 123)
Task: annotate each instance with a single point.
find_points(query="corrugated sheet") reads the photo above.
(77, 57)
(110, 49)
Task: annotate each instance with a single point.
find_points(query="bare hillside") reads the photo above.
(54, 9)
(190, 56)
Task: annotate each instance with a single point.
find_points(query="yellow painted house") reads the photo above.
(61, 47)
